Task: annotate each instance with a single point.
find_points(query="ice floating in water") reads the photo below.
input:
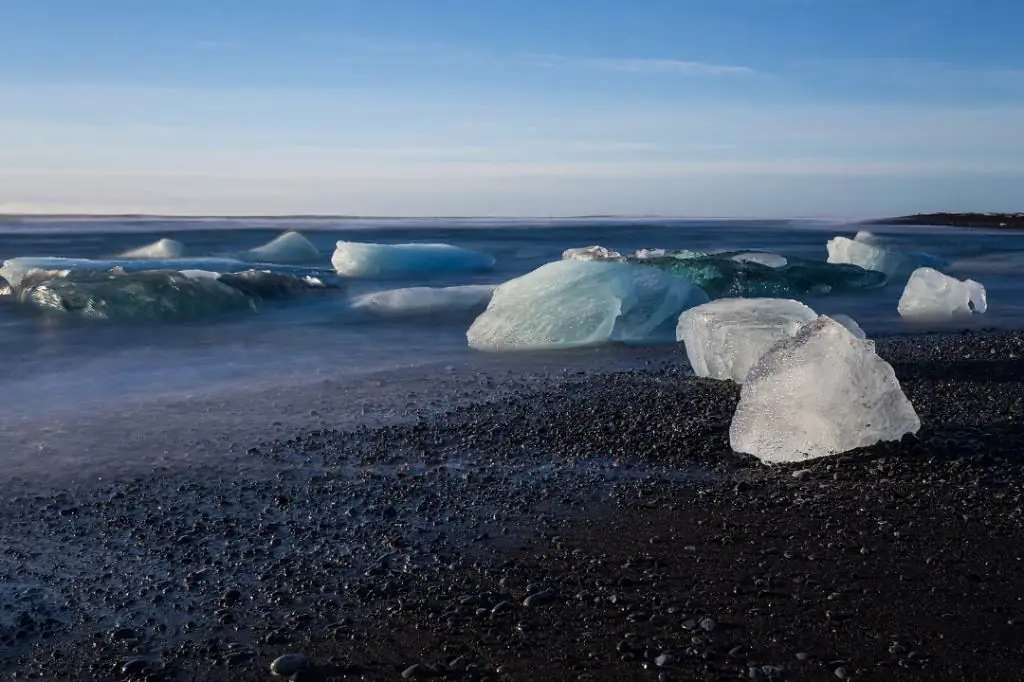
(573, 303)
(591, 253)
(14, 269)
(725, 338)
(929, 294)
(746, 274)
(850, 324)
(819, 393)
(427, 300)
(150, 295)
(289, 247)
(265, 285)
(867, 251)
(160, 249)
(650, 253)
(361, 259)
(866, 255)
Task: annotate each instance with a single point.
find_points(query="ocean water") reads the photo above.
(83, 395)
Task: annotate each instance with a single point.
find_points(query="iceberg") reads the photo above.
(591, 253)
(818, 393)
(160, 249)
(14, 269)
(427, 300)
(573, 303)
(725, 338)
(930, 294)
(150, 295)
(289, 247)
(363, 259)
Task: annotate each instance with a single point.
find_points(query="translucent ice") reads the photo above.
(771, 260)
(289, 247)
(850, 324)
(427, 300)
(572, 303)
(163, 248)
(867, 255)
(929, 294)
(14, 269)
(725, 338)
(361, 259)
(820, 392)
(591, 253)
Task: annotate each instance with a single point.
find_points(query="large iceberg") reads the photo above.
(573, 303)
(725, 338)
(363, 259)
(160, 249)
(930, 294)
(289, 247)
(427, 300)
(820, 392)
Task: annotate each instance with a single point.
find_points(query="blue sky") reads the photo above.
(512, 107)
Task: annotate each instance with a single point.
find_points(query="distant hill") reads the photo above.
(997, 221)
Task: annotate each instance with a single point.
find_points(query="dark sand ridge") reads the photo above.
(597, 530)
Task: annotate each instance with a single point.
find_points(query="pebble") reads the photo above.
(539, 598)
(288, 664)
(665, 661)
(136, 666)
(416, 672)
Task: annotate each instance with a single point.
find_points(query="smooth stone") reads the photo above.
(288, 664)
(136, 666)
(539, 598)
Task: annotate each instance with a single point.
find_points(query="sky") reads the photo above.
(831, 108)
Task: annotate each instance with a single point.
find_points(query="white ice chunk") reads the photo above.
(15, 269)
(362, 259)
(289, 247)
(726, 337)
(850, 324)
(163, 248)
(201, 274)
(771, 260)
(573, 303)
(644, 254)
(819, 393)
(929, 294)
(866, 237)
(427, 300)
(865, 255)
(591, 253)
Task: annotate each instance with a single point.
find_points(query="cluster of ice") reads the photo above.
(573, 303)
(930, 294)
(427, 300)
(289, 247)
(725, 338)
(818, 393)
(867, 255)
(160, 249)
(591, 253)
(363, 259)
(14, 269)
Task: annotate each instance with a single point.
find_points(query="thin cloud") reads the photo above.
(642, 65)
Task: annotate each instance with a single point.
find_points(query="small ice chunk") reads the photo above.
(200, 274)
(819, 393)
(644, 254)
(726, 337)
(866, 237)
(772, 260)
(289, 247)
(850, 324)
(572, 303)
(866, 255)
(162, 248)
(930, 294)
(363, 259)
(427, 300)
(591, 253)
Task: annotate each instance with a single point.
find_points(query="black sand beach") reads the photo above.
(599, 528)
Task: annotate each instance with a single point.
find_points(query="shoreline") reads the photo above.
(993, 221)
(610, 504)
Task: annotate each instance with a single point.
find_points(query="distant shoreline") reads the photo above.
(995, 221)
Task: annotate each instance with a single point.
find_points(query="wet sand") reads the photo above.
(597, 527)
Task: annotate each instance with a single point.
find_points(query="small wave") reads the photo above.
(158, 250)
(470, 298)
(289, 247)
